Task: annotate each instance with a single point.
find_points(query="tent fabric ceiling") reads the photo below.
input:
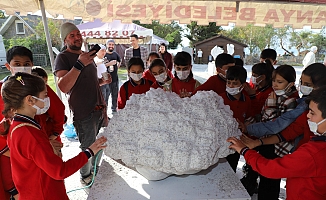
(296, 13)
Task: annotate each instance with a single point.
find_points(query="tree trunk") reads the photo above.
(287, 51)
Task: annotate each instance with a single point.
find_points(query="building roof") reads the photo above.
(220, 36)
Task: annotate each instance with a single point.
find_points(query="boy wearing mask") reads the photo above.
(217, 82)
(239, 102)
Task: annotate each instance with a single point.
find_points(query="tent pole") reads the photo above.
(49, 43)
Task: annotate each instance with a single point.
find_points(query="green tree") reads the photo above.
(257, 38)
(300, 39)
(199, 33)
(54, 30)
(170, 32)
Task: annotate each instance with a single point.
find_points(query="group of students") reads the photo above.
(268, 109)
(274, 120)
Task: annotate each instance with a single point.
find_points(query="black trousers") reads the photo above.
(268, 189)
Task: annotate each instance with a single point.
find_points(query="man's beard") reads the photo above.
(74, 47)
(110, 50)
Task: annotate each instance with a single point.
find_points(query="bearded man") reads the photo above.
(113, 66)
(77, 77)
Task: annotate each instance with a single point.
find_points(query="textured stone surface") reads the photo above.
(160, 131)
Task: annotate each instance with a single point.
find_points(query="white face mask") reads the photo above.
(254, 80)
(233, 91)
(305, 90)
(281, 92)
(46, 101)
(161, 77)
(313, 126)
(27, 69)
(182, 75)
(135, 77)
(223, 75)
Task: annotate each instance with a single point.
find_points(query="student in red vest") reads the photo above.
(148, 73)
(266, 54)
(304, 169)
(136, 84)
(239, 102)
(183, 82)
(32, 156)
(217, 82)
(261, 78)
(161, 73)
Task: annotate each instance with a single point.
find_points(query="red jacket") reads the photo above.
(304, 170)
(37, 172)
(298, 127)
(52, 121)
(215, 83)
(241, 108)
(6, 181)
(149, 76)
(258, 99)
(133, 88)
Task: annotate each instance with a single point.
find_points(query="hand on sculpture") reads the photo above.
(98, 144)
(86, 58)
(248, 89)
(242, 126)
(249, 142)
(236, 144)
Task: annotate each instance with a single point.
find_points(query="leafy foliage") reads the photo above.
(199, 33)
(170, 32)
(257, 38)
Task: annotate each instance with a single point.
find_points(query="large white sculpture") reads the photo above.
(160, 134)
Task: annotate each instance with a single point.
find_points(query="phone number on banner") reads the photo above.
(113, 34)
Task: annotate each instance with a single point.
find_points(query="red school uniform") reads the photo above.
(241, 107)
(177, 85)
(304, 169)
(38, 173)
(132, 88)
(298, 127)
(258, 100)
(6, 182)
(149, 76)
(215, 83)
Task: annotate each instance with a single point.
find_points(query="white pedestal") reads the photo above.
(115, 181)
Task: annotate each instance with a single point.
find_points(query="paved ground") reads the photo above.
(71, 146)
